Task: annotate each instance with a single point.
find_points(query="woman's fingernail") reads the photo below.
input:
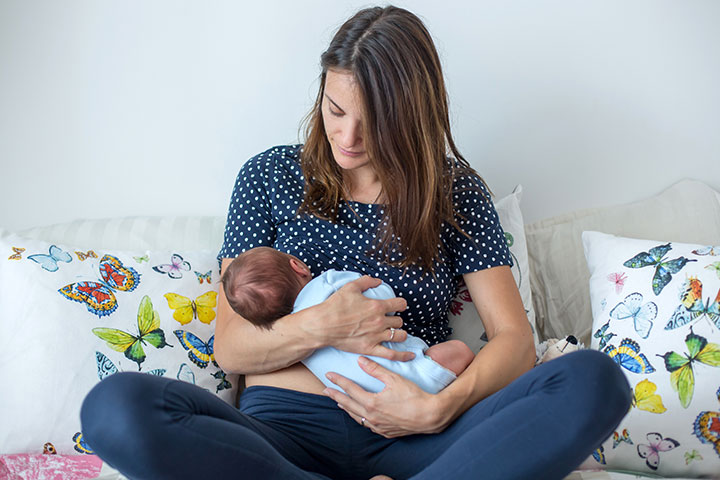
(326, 391)
(363, 361)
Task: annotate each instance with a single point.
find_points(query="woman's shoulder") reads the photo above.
(284, 158)
(466, 181)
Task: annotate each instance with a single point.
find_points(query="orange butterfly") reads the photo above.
(84, 256)
(17, 255)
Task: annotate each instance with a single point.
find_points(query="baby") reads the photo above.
(264, 284)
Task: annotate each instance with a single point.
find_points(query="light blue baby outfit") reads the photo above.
(422, 370)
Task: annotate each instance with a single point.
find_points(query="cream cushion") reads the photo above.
(687, 212)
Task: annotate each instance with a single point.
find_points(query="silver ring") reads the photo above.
(392, 333)
(362, 421)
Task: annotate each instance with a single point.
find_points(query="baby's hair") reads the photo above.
(261, 286)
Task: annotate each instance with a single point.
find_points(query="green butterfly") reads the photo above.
(149, 332)
(664, 269)
(714, 266)
(682, 377)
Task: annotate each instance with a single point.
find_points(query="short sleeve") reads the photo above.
(476, 216)
(249, 220)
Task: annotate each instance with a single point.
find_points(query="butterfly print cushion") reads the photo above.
(656, 313)
(75, 316)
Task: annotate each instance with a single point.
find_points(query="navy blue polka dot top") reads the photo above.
(263, 212)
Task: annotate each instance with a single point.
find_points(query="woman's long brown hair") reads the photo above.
(406, 133)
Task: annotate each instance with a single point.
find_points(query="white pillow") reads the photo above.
(464, 318)
(61, 331)
(656, 310)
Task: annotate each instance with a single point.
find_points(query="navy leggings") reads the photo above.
(541, 426)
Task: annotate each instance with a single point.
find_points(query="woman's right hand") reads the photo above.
(352, 322)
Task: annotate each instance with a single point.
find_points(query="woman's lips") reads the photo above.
(348, 153)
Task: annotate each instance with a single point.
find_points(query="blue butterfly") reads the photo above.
(604, 337)
(105, 367)
(224, 383)
(199, 352)
(81, 446)
(642, 315)
(50, 262)
(186, 374)
(628, 356)
(663, 269)
(599, 455)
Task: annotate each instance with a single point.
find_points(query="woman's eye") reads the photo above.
(335, 113)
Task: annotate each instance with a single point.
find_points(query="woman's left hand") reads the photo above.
(401, 408)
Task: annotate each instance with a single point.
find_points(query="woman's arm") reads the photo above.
(403, 409)
(347, 320)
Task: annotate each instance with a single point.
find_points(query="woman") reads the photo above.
(371, 190)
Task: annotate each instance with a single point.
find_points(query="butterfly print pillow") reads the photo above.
(74, 317)
(656, 313)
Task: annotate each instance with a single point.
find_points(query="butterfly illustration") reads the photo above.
(186, 309)
(628, 356)
(618, 279)
(714, 266)
(691, 306)
(663, 269)
(707, 428)
(186, 374)
(50, 262)
(148, 322)
(618, 439)
(81, 446)
(144, 258)
(98, 296)
(463, 295)
(693, 455)
(642, 315)
(708, 250)
(604, 337)
(645, 398)
(17, 253)
(199, 352)
(105, 367)
(207, 277)
(651, 452)
(49, 449)
(224, 383)
(84, 256)
(682, 376)
(175, 268)
(599, 455)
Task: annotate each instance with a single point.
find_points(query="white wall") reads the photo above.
(150, 107)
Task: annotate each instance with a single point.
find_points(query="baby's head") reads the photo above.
(262, 283)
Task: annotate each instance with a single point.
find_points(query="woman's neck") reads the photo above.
(363, 187)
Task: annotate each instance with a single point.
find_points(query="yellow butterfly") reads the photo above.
(645, 398)
(186, 309)
(18, 253)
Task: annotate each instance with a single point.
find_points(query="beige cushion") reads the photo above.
(687, 212)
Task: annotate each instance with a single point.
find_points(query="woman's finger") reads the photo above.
(376, 370)
(390, 354)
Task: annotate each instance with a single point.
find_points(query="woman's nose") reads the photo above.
(351, 134)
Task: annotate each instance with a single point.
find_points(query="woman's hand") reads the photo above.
(400, 409)
(354, 323)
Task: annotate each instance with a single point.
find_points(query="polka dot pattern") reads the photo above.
(268, 191)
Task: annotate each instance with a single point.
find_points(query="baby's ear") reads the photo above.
(299, 267)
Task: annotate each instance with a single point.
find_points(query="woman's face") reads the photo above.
(342, 118)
